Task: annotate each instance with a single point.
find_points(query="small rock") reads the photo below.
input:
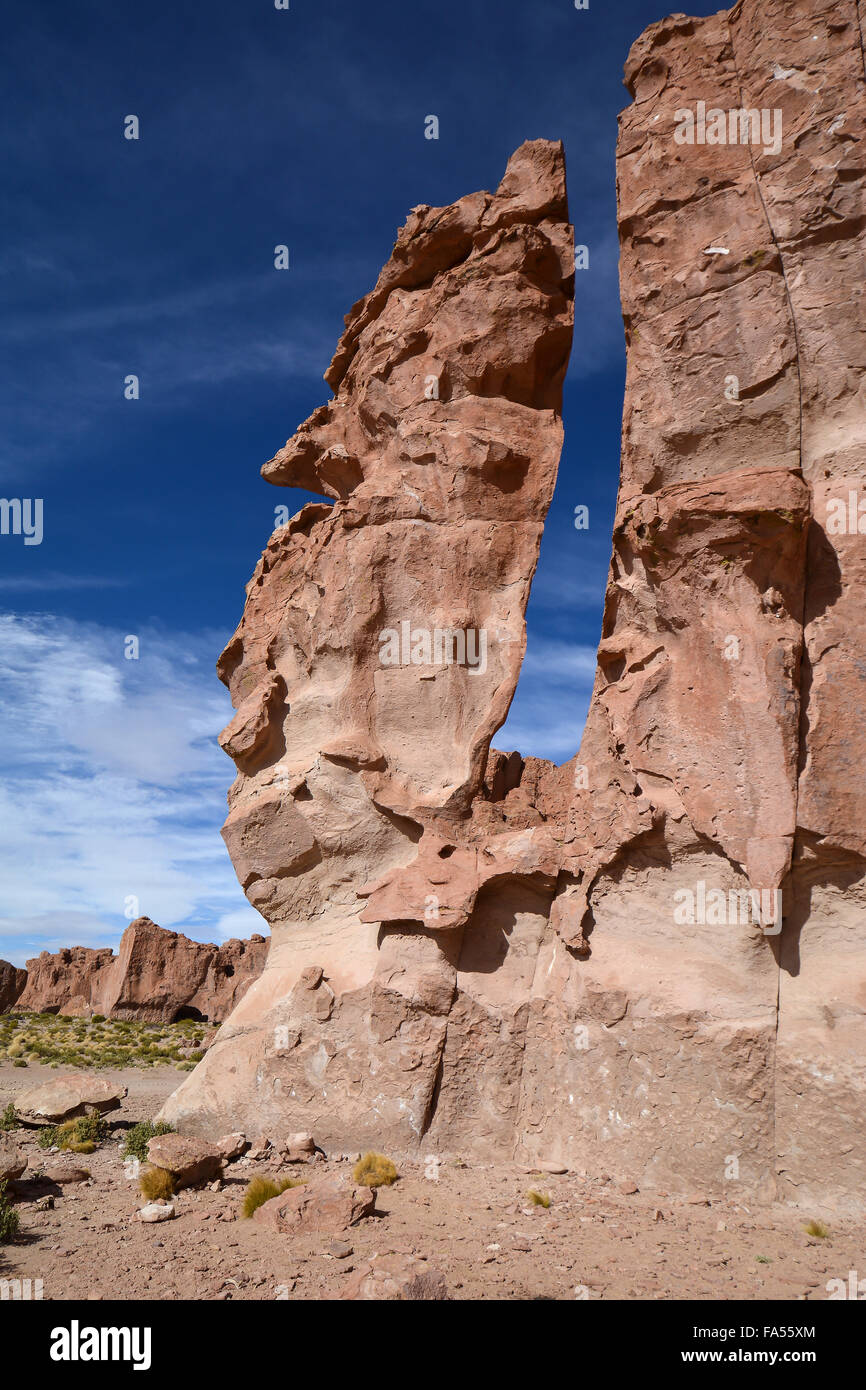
(397, 1278)
(66, 1176)
(628, 1189)
(157, 1211)
(340, 1249)
(698, 1200)
(299, 1148)
(260, 1148)
(232, 1146)
(546, 1166)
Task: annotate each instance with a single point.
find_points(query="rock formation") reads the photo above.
(157, 976)
(652, 960)
(12, 982)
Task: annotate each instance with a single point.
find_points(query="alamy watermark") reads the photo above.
(22, 516)
(741, 126)
(702, 906)
(422, 646)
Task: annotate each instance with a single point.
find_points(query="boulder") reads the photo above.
(231, 1146)
(190, 1160)
(299, 1148)
(13, 1160)
(328, 1206)
(67, 1097)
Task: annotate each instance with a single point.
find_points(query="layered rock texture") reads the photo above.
(652, 960)
(157, 976)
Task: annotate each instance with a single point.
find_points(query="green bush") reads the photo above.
(137, 1138)
(8, 1217)
(8, 1120)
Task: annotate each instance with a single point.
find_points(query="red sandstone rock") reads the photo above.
(479, 953)
(12, 982)
(189, 1160)
(67, 1097)
(330, 1206)
(158, 976)
(12, 1160)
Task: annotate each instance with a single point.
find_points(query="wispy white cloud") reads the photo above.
(113, 787)
(549, 709)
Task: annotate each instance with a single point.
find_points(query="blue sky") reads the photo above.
(258, 127)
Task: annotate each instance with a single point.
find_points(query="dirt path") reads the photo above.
(472, 1222)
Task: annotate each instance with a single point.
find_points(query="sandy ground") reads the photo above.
(471, 1222)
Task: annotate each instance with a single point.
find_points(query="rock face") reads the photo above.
(652, 960)
(12, 982)
(158, 976)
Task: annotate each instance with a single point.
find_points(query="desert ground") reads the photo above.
(472, 1222)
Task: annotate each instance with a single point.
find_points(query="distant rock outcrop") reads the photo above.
(650, 962)
(157, 976)
(12, 982)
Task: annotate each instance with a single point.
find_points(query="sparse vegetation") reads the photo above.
(817, 1229)
(138, 1137)
(261, 1190)
(375, 1170)
(9, 1120)
(81, 1136)
(8, 1217)
(538, 1199)
(156, 1184)
(56, 1040)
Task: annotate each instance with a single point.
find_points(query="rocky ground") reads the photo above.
(471, 1222)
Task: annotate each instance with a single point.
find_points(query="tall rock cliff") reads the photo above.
(653, 959)
(12, 982)
(157, 976)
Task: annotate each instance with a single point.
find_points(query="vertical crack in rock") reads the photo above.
(743, 105)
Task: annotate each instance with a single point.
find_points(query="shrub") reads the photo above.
(538, 1199)
(374, 1170)
(817, 1229)
(91, 1129)
(261, 1190)
(137, 1138)
(8, 1119)
(8, 1217)
(19, 1062)
(156, 1183)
